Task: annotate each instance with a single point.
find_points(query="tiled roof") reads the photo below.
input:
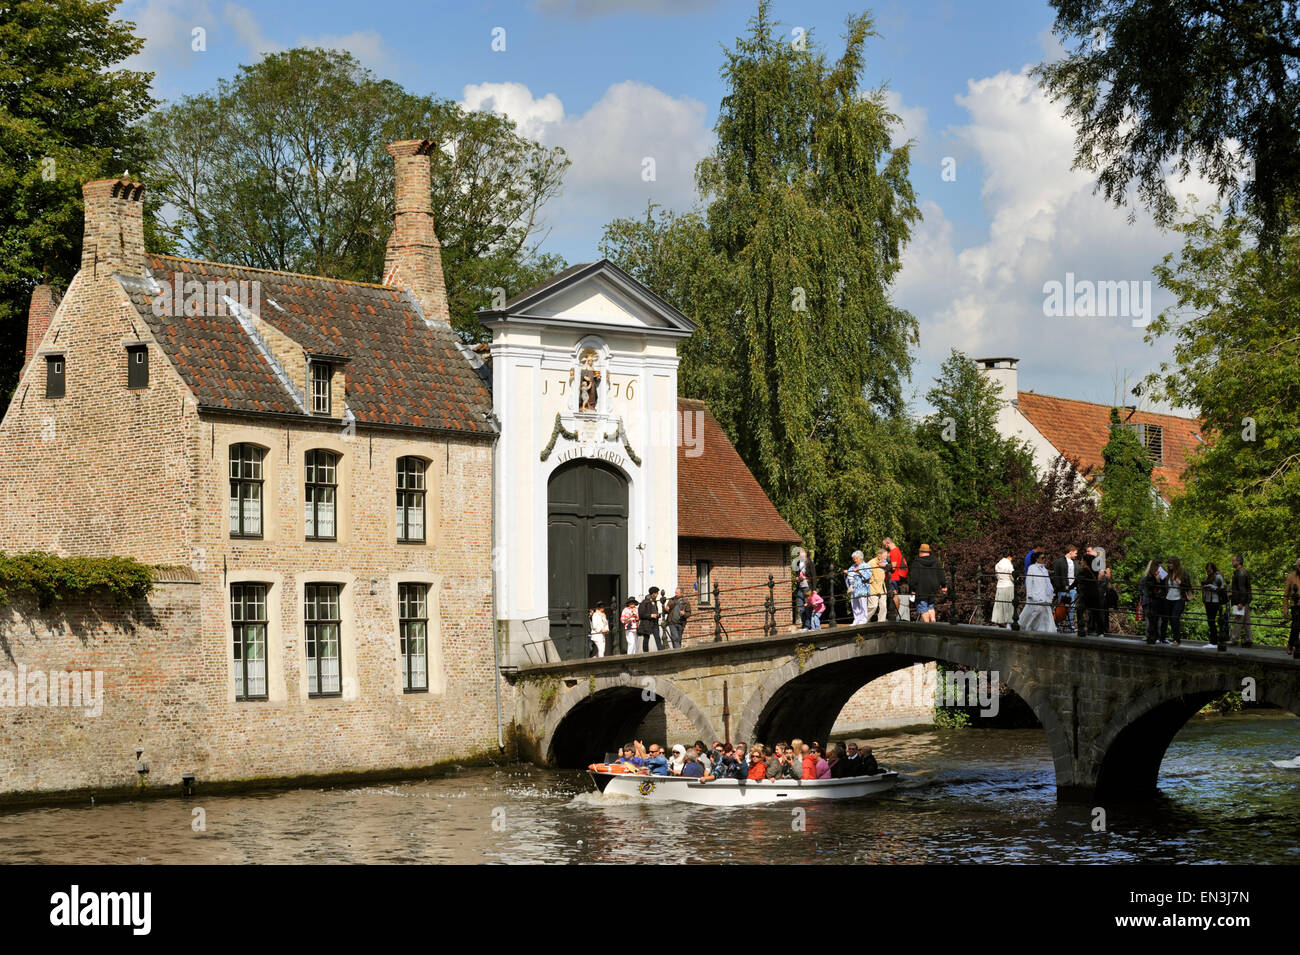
(1080, 429)
(717, 496)
(402, 371)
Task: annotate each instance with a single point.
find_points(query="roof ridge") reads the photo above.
(254, 268)
(1099, 404)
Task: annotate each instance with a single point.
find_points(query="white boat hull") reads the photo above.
(734, 792)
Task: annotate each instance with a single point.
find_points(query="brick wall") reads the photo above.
(164, 691)
(740, 569)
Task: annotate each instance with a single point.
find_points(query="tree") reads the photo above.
(982, 467)
(1184, 85)
(1058, 510)
(808, 205)
(1128, 497)
(1236, 358)
(283, 167)
(67, 116)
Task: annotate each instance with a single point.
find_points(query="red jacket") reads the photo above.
(758, 770)
(810, 766)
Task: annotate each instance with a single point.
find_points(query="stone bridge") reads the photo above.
(1109, 705)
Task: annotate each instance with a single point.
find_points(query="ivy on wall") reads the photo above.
(48, 577)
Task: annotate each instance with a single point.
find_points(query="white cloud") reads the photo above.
(247, 30)
(167, 29)
(632, 130)
(914, 118)
(1044, 221)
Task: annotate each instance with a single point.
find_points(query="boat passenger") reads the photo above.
(822, 766)
(628, 755)
(693, 766)
(774, 764)
(757, 764)
(678, 760)
(809, 762)
(869, 765)
(794, 757)
(655, 761)
(839, 762)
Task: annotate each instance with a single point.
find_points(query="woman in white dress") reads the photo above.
(1004, 600)
(599, 629)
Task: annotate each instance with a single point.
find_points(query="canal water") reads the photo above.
(968, 796)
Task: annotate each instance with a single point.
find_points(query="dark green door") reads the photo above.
(586, 551)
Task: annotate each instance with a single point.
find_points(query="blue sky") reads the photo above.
(615, 81)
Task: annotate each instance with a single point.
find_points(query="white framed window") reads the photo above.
(248, 617)
(320, 514)
(246, 490)
(413, 619)
(410, 499)
(321, 640)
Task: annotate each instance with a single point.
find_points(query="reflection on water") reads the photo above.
(968, 796)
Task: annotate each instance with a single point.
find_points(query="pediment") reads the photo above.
(590, 296)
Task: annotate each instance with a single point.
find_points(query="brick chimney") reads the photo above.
(39, 315)
(413, 259)
(114, 236)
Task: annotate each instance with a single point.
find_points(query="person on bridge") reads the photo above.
(1214, 595)
(1064, 572)
(816, 607)
(878, 598)
(599, 629)
(928, 583)
(897, 575)
(858, 580)
(1004, 598)
(679, 612)
(1037, 612)
(1176, 589)
(628, 619)
(802, 570)
(1291, 597)
(1240, 602)
(1152, 591)
(648, 620)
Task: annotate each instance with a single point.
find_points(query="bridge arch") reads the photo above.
(596, 717)
(805, 700)
(1132, 745)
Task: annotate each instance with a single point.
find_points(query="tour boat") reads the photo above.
(737, 792)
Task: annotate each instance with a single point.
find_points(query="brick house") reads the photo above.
(316, 452)
(730, 536)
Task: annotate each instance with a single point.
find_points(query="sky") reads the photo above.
(613, 82)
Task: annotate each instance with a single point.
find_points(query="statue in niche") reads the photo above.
(588, 381)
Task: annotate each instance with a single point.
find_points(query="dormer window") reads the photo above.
(322, 374)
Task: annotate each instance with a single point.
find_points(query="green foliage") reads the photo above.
(49, 578)
(982, 468)
(1237, 359)
(801, 353)
(1129, 498)
(1228, 703)
(1161, 90)
(283, 167)
(947, 717)
(803, 653)
(67, 115)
